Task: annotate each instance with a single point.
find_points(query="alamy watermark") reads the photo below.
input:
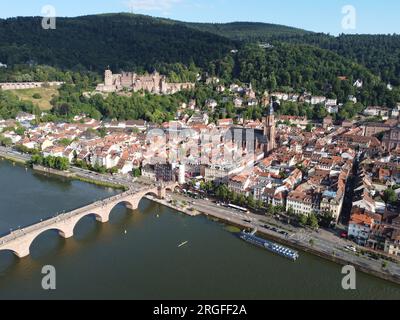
(49, 17)
(349, 21)
(49, 280)
(349, 281)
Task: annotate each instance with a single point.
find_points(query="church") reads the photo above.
(258, 139)
(153, 83)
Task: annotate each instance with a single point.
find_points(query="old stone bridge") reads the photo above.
(19, 241)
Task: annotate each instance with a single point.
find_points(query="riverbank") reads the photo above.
(23, 159)
(12, 158)
(74, 176)
(101, 183)
(333, 257)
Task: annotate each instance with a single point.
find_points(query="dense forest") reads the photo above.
(379, 53)
(300, 68)
(248, 31)
(119, 40)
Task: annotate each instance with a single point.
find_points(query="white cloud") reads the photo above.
(152, 5)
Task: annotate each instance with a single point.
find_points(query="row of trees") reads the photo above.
(96, 168)
(348, 111)
(223, 192)
(58, 163)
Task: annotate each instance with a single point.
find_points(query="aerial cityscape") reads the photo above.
(146, 157)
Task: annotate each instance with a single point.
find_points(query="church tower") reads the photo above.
(269, 129)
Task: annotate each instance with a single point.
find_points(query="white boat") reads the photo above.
(183, 244)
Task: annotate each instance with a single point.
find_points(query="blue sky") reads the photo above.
(372, 16)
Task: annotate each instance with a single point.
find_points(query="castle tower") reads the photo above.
(269, 129)
(108, 78)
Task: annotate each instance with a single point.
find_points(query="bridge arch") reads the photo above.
(97, 216)
(24, 248)
(152, 193)
(127, 203)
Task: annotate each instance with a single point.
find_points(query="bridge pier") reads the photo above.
(66, 234)
(103, 218)
(22, 252)
(161, 193)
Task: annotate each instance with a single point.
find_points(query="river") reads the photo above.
(136, 255)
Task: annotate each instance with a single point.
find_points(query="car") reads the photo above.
(351, 248)
(344, 235)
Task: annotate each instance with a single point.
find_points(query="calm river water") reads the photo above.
(136, 256)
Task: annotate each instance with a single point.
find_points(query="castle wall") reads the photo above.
(27, 85)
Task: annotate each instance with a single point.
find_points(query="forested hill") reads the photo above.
(119, 40)
(379, 53)
(138, 42)
(249, 31)
(300, 68)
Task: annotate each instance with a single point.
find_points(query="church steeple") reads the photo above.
(269, 129)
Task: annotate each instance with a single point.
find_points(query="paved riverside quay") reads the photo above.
(324, 244)
(19, 241)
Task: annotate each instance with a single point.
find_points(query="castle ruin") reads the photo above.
(153, 83)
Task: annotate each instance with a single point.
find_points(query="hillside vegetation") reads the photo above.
(248, 31)
(119, 40)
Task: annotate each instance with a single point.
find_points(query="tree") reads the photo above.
(259, 204)
(389, 196)
(290, 212)
(303, 220)
(222, 192)
(102, 132)
(312, 221)
(137, 172)
(270, 209)
(6, 142)
(251, 202)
